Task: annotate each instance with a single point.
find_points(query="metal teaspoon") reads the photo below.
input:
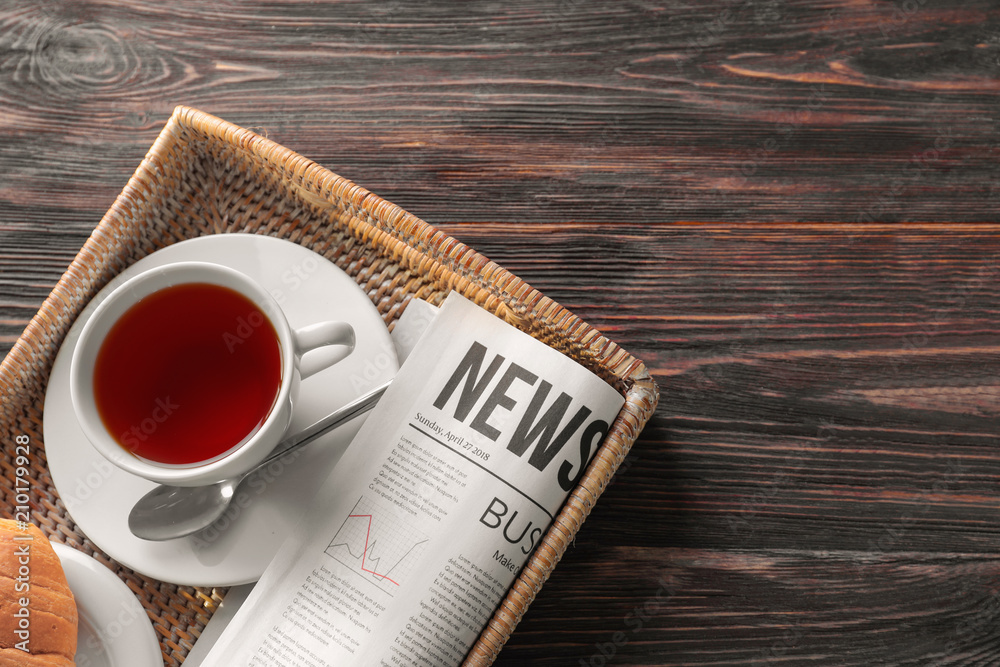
(168, 512)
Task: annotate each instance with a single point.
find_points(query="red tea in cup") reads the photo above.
(187, 374)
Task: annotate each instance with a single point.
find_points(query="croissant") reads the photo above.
(37, 608)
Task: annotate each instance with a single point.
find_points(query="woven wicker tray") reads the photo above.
(206, 176)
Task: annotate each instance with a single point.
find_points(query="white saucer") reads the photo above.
(114, 629)
(99, 496)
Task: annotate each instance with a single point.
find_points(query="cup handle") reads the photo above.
(322, 334)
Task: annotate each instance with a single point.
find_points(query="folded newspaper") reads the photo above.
(423, 525)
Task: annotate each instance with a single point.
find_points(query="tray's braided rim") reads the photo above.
(376, 223)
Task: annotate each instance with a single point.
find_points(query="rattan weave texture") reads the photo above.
(206, 176)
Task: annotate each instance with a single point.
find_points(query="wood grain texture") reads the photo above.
(788, 210)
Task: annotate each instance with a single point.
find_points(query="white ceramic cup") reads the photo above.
(242, 457)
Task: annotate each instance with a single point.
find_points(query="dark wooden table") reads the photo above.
(787, 210)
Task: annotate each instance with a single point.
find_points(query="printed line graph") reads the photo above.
(376, 545)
